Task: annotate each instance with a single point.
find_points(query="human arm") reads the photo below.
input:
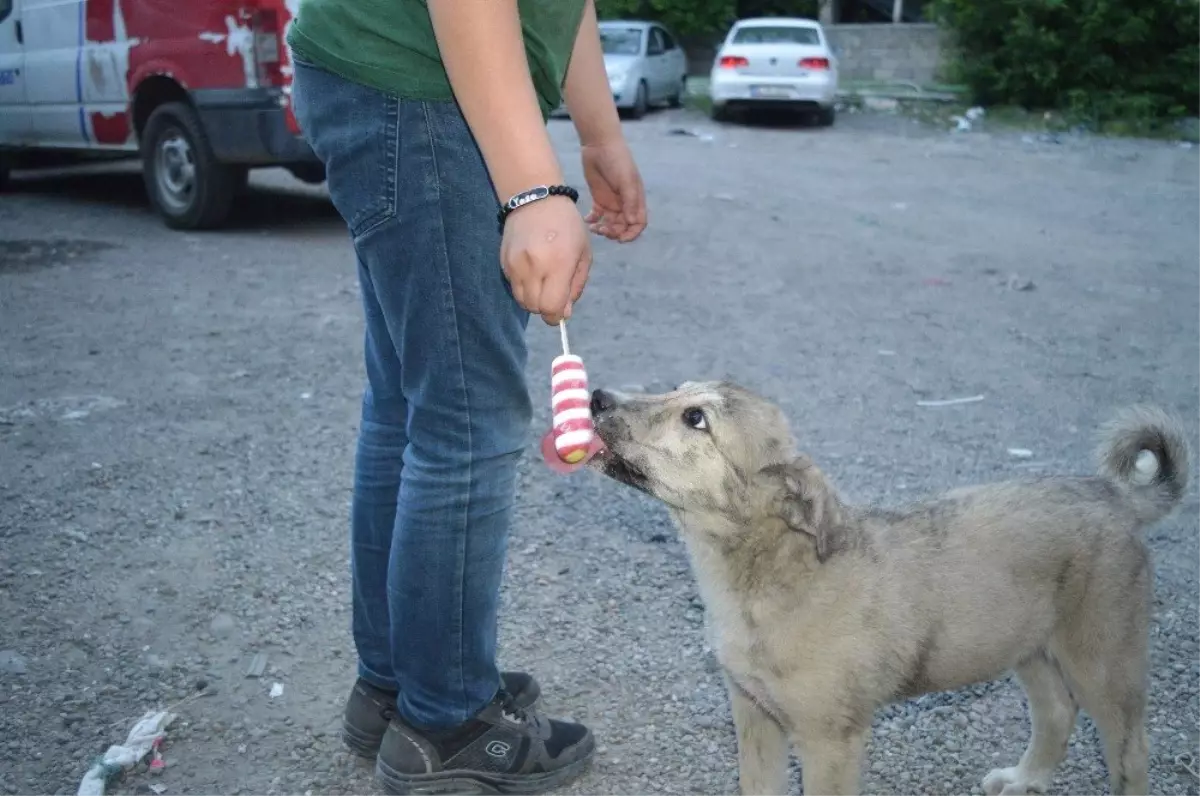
(484, 56)
(545, 251)
(618, 196)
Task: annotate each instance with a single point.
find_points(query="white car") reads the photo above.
(645, 65)
(779, 62)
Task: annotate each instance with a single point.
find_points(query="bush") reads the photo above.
(1098, 60)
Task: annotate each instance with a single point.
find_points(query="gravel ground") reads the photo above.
(177, 418)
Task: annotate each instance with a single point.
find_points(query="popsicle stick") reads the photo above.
(562, 330)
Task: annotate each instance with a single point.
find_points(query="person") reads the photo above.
(429, 115)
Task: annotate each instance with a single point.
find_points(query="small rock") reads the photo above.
(222, 625)
(11, 662)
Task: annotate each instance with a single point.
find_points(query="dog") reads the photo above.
(819, 612)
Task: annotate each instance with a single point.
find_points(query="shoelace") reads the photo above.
(509, 708)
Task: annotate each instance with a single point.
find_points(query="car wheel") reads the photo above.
(188, 187)
(721, 113)
(641, 102)
(826, 116)
(677, 97)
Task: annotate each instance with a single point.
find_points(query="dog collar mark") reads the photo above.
(533, 195)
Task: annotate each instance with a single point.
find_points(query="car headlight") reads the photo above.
(617, 76)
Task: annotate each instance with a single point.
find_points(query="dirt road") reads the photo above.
(177, 418)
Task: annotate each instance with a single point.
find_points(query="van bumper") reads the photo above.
(249, 125)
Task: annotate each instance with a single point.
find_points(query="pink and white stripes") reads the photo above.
(570, 404)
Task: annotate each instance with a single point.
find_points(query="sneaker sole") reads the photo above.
(477, 782)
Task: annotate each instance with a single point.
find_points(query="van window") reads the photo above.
(6, 7)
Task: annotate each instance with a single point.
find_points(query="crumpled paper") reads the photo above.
(149, 728)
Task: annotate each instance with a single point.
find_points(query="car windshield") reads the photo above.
(780, 34)
(621, 41)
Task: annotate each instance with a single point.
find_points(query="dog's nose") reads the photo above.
(602, 402)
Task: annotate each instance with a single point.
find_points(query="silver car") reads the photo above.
(645, 64)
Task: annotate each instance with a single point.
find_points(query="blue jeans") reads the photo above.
(446, 410)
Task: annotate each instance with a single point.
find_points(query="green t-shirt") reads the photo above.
(389, 44)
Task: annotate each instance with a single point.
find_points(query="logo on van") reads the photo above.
(8, 76)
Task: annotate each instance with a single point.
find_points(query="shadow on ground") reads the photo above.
(258, 208)
(768, 119)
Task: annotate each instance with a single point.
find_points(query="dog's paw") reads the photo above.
(1006, 781)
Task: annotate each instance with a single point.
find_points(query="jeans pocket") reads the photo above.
(355, 131)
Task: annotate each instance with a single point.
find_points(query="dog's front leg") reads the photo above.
(831, 758)
(762, 746)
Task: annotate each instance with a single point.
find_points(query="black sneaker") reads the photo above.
(504, 749)
(369, 709)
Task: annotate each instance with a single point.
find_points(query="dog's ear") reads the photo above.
(806, 503)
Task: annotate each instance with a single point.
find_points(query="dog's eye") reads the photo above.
(695, 418)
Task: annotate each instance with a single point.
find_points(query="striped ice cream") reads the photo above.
(570, 402)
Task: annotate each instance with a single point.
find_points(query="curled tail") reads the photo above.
(1144, 451)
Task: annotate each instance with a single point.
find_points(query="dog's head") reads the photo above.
(694, 448)
(716, 449)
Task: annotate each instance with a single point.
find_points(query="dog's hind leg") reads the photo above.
(1052, 712)
(1113, 692)
(1104, 651)
(762, 746)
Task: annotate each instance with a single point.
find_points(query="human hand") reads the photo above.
(618, 196)
(546, 256)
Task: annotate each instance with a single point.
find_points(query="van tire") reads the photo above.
(187, 185)
(5, 168)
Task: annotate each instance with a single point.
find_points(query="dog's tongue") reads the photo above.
(550, 455)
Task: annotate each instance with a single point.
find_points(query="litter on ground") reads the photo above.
(146, 734)
(952, 401)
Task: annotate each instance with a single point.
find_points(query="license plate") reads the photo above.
(767, 92)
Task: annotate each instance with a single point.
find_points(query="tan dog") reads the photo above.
(820, 612)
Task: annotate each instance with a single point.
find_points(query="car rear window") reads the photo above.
(776, 34)
(621, 41)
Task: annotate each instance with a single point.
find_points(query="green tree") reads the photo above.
(1100, 59)
(685, 17)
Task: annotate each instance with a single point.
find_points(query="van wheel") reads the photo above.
(5, 168)
(188, 187)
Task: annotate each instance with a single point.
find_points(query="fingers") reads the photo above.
(579, 279)
(623, 219)
(555, 296)
(600, 220)
(633, 207)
